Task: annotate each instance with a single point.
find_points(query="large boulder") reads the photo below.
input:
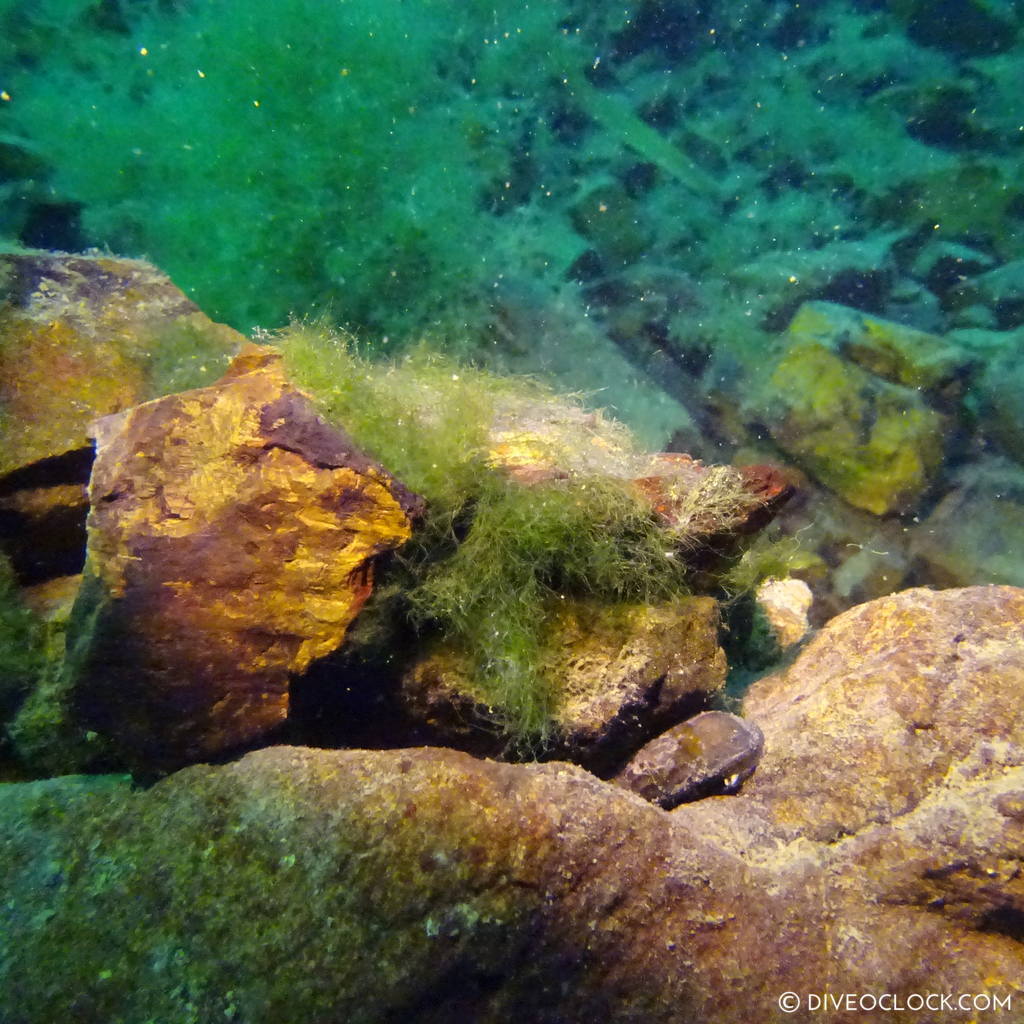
(876, 851)
(883, 709)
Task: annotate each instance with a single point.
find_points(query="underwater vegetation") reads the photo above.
(329, 153)
(494, 557)
(398, 165)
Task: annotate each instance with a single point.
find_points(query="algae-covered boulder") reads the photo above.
(877, 444)
(878, 844)
(898, 353)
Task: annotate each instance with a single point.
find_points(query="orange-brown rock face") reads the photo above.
(230, 538)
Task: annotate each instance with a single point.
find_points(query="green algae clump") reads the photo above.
(494, 556)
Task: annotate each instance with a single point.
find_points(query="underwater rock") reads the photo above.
(710, 504)
(877, 445)
(619, 674)
(883, 703)
(944, 265)
(230, 538)
(999, 393)
(84, 336)
(776, 283)
(713, 752)
(785, 604)
(975, 534)
(81, 337)
(878, 843)
(1001, 290)
(894, 351)
(535, 442)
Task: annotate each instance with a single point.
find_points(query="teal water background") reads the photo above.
(634, 198)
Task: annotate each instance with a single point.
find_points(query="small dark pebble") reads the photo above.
(710, 754)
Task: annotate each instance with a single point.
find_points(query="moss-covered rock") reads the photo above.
(898, 353)
(878, 841)
(615, 675)
(877, 445)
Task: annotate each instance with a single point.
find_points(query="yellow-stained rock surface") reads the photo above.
(83, 336)
(901, 354)
(231, 534)
(877, 445)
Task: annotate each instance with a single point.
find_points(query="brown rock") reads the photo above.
(620, 675)
(713, 752)
(883, 704)
(422, 885)
(230, 539)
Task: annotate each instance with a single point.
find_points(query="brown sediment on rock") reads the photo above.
(231, 538)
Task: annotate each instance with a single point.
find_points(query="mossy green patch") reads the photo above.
(22, 642)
